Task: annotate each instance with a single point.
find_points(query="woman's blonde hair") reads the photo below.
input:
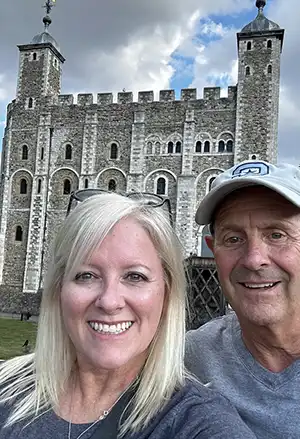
(40, 378)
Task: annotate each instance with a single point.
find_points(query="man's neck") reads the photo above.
(275, 348)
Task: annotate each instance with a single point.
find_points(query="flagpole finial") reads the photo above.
(260, 4)
(49, 4)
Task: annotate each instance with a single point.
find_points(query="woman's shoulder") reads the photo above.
(196, 412)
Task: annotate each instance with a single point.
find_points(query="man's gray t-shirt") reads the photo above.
(268, 402)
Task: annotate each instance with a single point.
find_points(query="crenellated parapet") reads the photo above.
(104, 98)
(125, 97)
(146, 97)
(65, 100)
(188, 94)
(214, 93)
(85, 99)
(167, 95)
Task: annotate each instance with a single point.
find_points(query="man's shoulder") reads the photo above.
(215, 328)
(193, 409)
(211, 346)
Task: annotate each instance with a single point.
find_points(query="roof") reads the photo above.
(261, 23)
(45, 37)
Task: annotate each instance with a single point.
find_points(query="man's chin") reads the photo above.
(259, 314)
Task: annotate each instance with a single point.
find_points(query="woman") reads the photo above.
(109, 352)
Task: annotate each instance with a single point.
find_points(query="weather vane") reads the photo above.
(49, 5)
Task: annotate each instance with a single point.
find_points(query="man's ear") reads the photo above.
(209, 242)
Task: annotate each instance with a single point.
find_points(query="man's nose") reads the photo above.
(256, 254)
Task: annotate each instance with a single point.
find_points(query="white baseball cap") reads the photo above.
(283, 179)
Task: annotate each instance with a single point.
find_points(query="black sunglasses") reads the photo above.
(149, 199)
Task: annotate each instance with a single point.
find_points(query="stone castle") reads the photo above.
(171, 147)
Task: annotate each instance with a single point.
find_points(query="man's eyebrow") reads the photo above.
(275, 224)
(227, 226)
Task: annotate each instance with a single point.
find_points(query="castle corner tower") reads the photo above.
(259, 52)
(25, 167)
(40, 65)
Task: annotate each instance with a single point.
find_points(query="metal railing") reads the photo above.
(206, 300)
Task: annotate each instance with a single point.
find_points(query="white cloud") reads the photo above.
(289, 108)
(143, 58)
(7, 88)
(3, 89)
(212, 29)
(216, 61)
(144, 63)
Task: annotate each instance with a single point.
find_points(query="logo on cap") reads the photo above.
(251, 169)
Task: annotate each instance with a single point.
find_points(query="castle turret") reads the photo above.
(25, 162)
(40, 65)
(259, 51)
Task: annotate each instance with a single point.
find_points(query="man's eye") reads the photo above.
(277, 235)
(233, 240)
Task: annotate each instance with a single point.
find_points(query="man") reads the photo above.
(252, 355)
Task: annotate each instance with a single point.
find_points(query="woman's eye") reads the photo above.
(86, 276)
(136, 277)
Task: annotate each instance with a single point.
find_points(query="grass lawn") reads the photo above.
(13, 334)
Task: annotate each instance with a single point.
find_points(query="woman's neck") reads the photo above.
(90, 393)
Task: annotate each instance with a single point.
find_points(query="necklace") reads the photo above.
(103, 415)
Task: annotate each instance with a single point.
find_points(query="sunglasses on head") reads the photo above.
(147, 198)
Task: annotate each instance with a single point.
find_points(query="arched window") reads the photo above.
(161, 186)
(170, 148)
(178, 147)
(207, 146)
(42, 153)
(149, 148)
(269, 69)
(248, 71)
(198, 146)
(211, 180)
(221, 146)
(30, 103)
(269, 44)
(34, 56)
(249, 45)
(157, 148)
(86, 183)
(24, 152)
(229, 146)
(19, 233)
(67, 187)
(112, 185)
(68, 152)
(23, 186)
(39, 186)
(113, 151)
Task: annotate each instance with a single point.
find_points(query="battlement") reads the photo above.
(145, 97)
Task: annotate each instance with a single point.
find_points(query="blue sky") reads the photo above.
(151, 46)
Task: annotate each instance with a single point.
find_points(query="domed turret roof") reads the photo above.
(261, 22)
(45, 37)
